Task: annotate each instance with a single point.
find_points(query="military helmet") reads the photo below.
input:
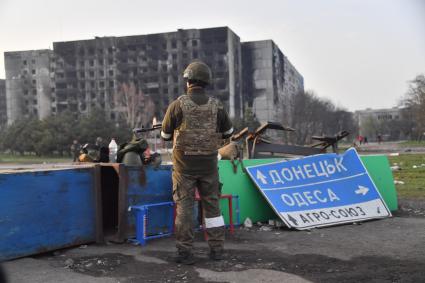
(132, 158)
(198, 71)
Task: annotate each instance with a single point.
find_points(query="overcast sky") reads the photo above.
(358, 53)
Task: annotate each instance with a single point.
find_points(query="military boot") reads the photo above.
(216, 254)
(184, 257)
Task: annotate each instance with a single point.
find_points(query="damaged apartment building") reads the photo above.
(3, 116)
(28, 84)
(270, 81)
(83, 75)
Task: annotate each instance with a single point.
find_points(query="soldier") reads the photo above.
(196, 123)
(103, 150)
(75, 150)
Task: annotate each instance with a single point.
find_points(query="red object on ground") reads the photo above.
(230, 203)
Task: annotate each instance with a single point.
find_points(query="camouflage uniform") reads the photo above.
(196, 123)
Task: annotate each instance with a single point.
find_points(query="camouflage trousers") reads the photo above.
(184, 196)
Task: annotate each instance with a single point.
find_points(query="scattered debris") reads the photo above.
(394, 154)
(265, 228)
(395, 168)
(69, 262)
(247, 223)
(397, 182)
(278, 223)
(418, 166)
(99, 265)
(83, 247)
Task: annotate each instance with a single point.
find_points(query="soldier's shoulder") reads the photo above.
(217, 102)
(176, 102)
(174, 106)
(182, 97)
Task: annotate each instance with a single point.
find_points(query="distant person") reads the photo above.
(379, 137)
(99, 142)
(365, 140)
(103, 150)
(75, 150)
(89, 153)
(97, 152)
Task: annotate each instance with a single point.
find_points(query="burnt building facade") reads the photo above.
(3, 107)
(91, 73)
(270, 81)
(28, 84)
(80, 76)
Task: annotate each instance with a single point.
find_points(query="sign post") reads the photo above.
(320, 190)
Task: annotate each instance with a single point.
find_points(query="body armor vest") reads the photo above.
(197, 134)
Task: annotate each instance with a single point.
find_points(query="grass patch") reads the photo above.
(413, 144)
(32, 159)
(412, 173)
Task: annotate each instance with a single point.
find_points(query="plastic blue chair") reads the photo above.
(142, 214)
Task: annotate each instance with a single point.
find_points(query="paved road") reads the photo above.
(389, 250)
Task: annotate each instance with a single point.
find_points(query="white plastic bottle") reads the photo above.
(113, 148)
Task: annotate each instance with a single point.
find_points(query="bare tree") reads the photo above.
(317, 116)
(415, 102)
(307, 119)
(133, 106)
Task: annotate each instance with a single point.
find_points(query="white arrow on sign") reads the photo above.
(362, 190)
(261, 177)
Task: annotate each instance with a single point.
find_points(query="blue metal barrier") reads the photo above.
(46, 210)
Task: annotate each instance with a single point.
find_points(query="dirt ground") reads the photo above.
(389, 250)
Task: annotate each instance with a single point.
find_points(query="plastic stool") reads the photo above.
(230, 203)
(142, 219)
